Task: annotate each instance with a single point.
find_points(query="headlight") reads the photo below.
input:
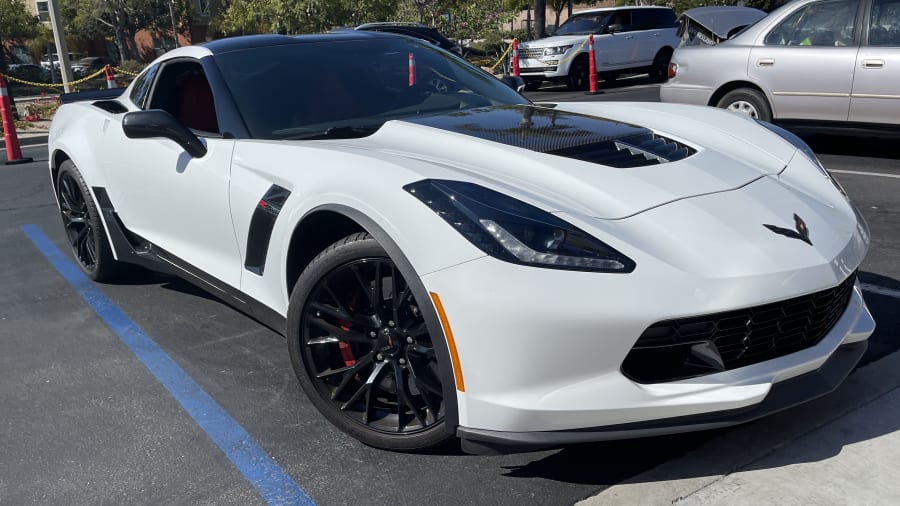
(804, 148)
(516, 232)
(553, 51)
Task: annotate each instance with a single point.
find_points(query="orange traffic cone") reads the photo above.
(13, 151)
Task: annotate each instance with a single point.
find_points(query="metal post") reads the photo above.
(174, 26)
(62, 49)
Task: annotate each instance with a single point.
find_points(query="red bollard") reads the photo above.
(13, 151)
(515, 57)
(110, 78)
(592, 66)
(412, 69)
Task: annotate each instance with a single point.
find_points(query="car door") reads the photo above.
(161, 193)
(647, 35)
(876, 82)
(806, 62)
(617, 45)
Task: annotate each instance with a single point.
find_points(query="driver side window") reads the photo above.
(183, 91)
(622, 21)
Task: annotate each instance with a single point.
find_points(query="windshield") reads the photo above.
(349, 88)
(583, 24)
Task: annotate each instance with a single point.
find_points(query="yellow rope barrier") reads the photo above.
(502, 57)
(52, 85)
(126, 72)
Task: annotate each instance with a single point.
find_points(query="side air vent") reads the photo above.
(112, 106)
(638, 150)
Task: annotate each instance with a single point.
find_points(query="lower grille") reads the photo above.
(688, 347)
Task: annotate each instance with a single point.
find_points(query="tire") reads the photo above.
(533, 85)
(350, 340)
(659, 71)
(84, 230)
(578, 78)
(747, 101)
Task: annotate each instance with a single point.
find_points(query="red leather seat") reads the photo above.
(196, 107)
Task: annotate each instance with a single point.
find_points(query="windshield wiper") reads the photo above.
(337, 132)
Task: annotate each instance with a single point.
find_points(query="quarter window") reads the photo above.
(829, 23)
(141, 86)
(884, 24)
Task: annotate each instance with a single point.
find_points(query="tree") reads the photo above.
(16, 23)
(540, 19)
(120, 20)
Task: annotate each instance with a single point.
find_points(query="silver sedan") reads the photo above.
(810, 60)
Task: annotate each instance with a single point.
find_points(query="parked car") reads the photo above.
(89, 65)
(416, 30)
(45, 60)
(446, 258)
(831, 62)
(29, 72)
(633, 39)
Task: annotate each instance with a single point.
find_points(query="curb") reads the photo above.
(701, 473)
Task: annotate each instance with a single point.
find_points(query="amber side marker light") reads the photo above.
(454, 357)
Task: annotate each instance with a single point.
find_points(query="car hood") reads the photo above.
(605, 161)
(713, 24)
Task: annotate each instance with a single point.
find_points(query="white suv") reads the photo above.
(636, 39)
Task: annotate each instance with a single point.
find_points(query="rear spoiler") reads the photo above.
(108, 94)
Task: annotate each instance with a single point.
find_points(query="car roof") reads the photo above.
(619, 8)
(256, 41)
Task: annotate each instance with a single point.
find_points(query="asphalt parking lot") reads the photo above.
(88, 418)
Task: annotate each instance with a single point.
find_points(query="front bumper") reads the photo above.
(783, 395)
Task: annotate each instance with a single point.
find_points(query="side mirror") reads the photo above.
(157, 123)
(616, 28)
(514, 82)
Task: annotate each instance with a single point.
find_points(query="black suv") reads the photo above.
(416, 30)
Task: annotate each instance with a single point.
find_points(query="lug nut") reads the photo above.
(391, 323)
(409, 339)
(402, 361)
(379, 357)
(373, 334)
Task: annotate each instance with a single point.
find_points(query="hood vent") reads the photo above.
(632, 151)
(570, 135)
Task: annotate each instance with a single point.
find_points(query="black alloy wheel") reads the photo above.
(362, 349)
(84, 229)
(578, 78)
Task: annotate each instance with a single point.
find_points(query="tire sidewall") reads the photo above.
(104, 265)
(751, 96)
(342, 252)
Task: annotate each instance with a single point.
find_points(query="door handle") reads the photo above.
(873, 64)
(629, 37)
(657, 34)
(765, 62)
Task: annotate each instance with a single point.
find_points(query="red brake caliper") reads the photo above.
(346, 352)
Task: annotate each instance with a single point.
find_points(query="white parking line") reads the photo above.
(861, 173)
(880, 290)
(23, 146)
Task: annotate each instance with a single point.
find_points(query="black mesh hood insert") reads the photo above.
(561, 133)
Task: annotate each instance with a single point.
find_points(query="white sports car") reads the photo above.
(448, 259)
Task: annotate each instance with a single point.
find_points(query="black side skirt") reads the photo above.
(133, 249)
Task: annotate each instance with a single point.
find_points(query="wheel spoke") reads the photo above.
(363, 284)
(403, 396)
(363, 361)
(418, 331)
(373, 376)
(349, 377)
(334, 330)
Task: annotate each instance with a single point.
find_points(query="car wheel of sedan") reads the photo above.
(362, 350)
(747, 101)
(84, 230)
(578, 74)
(659, 71)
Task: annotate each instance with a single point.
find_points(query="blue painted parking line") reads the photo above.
(266, 476)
